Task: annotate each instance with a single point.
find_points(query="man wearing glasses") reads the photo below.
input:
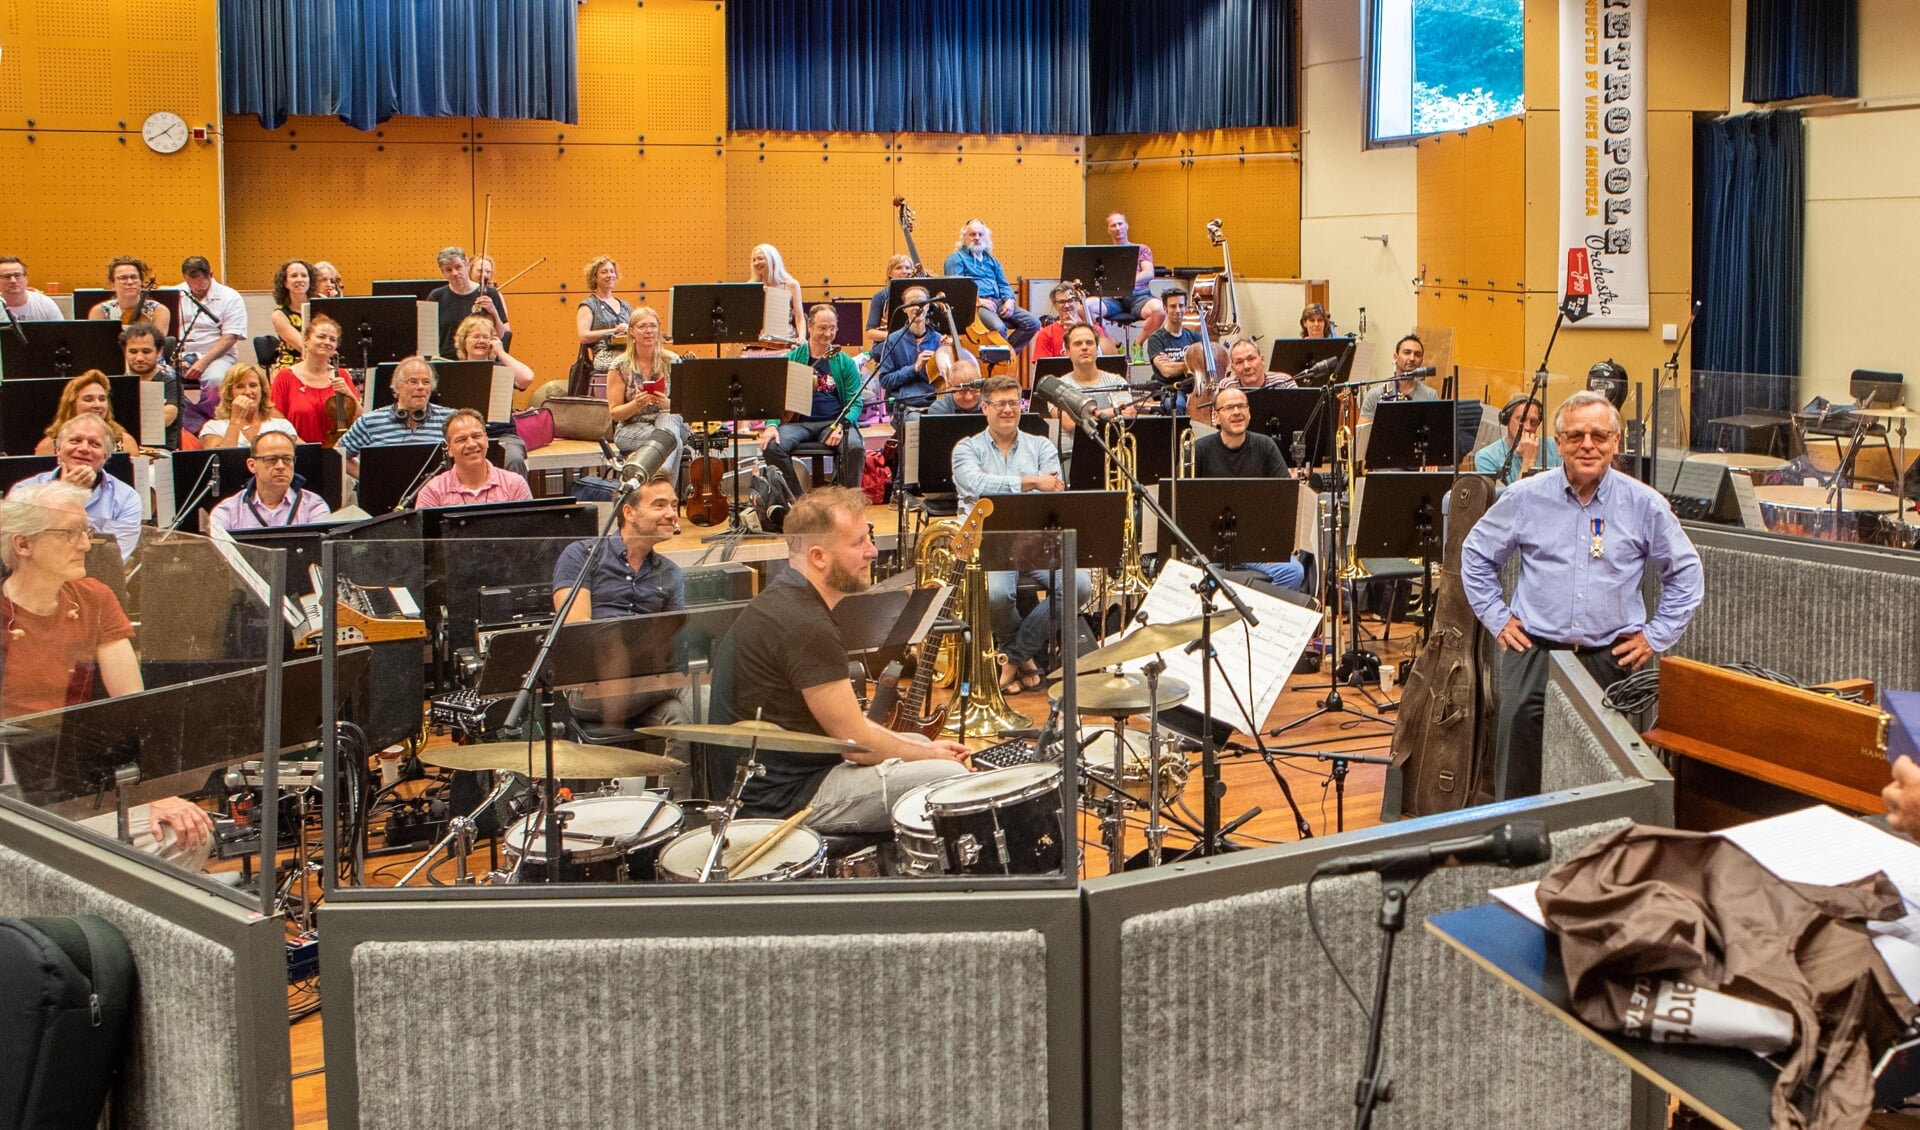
(1005, 460)
(1236, 451)
(413, 417)
(24, 304)
(1586, 537)
(80, 451)
(271, 499)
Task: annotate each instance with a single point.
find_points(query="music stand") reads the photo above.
(886, 621)
(1155, 443)
(1297, 354)
(1249, 520)
(458, 384)
(28, 405)
(939, 435)
(1101, 270)
(391, 474)
(715, 314)
(1115, 363)
(1283, 413)
(85, 298)
(1401, 516)
(16, 468)
(195, 486)
(374, 329)
(962, 294)
(416, 289)
(472, 547)
(61, 349)
(1094, 516)
(1412, 434)
(712, 390)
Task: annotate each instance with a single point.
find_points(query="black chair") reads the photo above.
(266, 347)
(816, 455)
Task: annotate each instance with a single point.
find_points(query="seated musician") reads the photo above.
(413, 417)
(140, 345)
(303, 391)
(1167, 346)
(471, 479)
(213, 320)
(463, 297)
(785, 310)
(836, 384)
(1314, 321)
(244, 413)
(273, 498)
(784, 657)
(973, 257)
(1051, 341)
(130, 278)
(1083, 348)
(1247, 368)
(80, 449)
(1536, 452)
(62, 629)
(1408, 352)
(640, 394)
(904, 355)
(24, 303)
(1149, 311)
(1005, 460)
(87, 394)
(1235, 451)
(1586, 537)
(630, 577)
(478, 339)
(964, 385)
(878, 316)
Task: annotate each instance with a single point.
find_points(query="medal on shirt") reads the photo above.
(1597, 547)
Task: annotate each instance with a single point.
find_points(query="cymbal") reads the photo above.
(1888, 413)
(570, 759)
(1151, 640)
(766, 735)
(1119, 695)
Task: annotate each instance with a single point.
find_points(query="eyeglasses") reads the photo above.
(415, 382)
(13, 274)
(1599, 436)
(80, 535)
(273, 460)
(1004, 405)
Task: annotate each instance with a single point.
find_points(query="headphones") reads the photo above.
(1513, 405)
(417, 415)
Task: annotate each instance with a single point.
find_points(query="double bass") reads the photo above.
(977, 335)
(1214, 318)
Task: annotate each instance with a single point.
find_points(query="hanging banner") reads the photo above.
(1603, 158)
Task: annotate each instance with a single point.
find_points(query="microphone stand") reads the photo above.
(1670, 373)
(420, 479)
(1539, 385)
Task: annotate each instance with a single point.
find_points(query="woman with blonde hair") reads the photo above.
(327, 282)
(638, 390)
(600, 322)
(785, 312)
(88, 392)
(245, 412)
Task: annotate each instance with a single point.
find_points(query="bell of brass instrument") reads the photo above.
(1131, 583)
(932, 564)
(984, 711)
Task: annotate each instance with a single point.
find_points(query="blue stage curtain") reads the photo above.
(919, 66)
(1801, 48)
(367, 60)
(1749, 220)
(1161, 66)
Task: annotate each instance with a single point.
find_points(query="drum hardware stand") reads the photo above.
(1338, 765)
(1669, 373)
(721, 817)
(1156, 831)
(1837, 489)
(460, 834)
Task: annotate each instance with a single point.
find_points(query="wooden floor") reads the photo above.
(1248, 781)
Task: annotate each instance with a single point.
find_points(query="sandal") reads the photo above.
(1011, 680)
(1030, 676)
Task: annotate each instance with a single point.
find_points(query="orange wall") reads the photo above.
(1250, 182)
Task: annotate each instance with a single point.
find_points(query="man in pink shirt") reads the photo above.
(471, 479)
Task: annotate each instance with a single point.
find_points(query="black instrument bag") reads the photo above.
(66, 999)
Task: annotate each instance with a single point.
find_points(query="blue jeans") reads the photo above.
(847, 462)
(1017, 324)
(1289, 575)
(1024, 638)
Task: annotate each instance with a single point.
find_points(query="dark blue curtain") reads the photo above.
(1799, 48)
(367, 60)
(1749, 219)
(920, 66)
(1161, 66)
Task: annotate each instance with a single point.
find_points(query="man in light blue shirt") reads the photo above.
(1521, 416)
(1586, 538)
(1005, 460)
(973, 258)
(81, 449)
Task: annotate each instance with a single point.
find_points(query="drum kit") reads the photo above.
(1836, 512)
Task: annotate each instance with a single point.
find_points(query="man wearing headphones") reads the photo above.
(1521, 416)
(413, 417)
(272, 498)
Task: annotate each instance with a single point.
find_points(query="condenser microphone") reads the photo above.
(647, 459)
(1517, 843)
(1069, 397)
(1422, 371)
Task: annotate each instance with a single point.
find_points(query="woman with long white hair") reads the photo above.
(785, 312)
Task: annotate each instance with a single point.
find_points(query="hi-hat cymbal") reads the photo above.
(570, 759)
(1151, 640)
(766, 735)
(1119, 695)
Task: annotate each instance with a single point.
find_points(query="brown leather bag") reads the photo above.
(1443, 735)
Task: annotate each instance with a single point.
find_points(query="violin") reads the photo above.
(342, 411)
(706, 502)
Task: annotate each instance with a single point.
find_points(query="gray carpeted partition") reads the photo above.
(209, 1043)
(1584, 742)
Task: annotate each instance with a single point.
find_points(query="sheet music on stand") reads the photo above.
(153, 420)
(164, 505)
(426, 330)
(500, 396)
(290, 609)
(799, 388)
(1276, 644)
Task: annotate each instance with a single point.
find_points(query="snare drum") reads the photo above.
(1096, 769)
(1006, 822)
(913, 833)
(1808, 512)
(800, 854)
(608, 839)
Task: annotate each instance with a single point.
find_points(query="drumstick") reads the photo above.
(766, 843)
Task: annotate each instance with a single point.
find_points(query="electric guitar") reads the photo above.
(910, 714)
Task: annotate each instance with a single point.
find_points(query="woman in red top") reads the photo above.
(304, 391)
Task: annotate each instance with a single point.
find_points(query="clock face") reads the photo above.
(164, 132)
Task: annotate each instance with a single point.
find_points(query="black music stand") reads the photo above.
(1412, 434)
(61, 349)
(1094, 516)
(1156, 442)
(710, 390)
(607, 650)
(715, 313)
(885, 621)
(416, 289)
(1286, 414)
(1249, 520)
(1115, 363)
(372, 329)
(939, 435)
(391, 474)
(475, 547)
(15, 468)
(28, 405)
(961, 295)
(1295, 355)
(85, 298)
(1100, 270)
(197, 486)
(458, 384)
(1401, 516)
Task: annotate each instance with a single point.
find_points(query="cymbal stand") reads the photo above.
(722, 818)
(1156, 831)
(1837, 489)
(460, 832)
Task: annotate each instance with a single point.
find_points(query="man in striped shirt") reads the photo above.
(411, 418)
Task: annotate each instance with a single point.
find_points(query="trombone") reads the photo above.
(1122, 463)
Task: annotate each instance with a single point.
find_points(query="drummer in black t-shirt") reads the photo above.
(784, 656)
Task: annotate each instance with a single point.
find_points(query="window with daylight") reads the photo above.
(1437, 65)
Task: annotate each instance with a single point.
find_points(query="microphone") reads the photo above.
(646, 460)
(941, 297)
(1069, 397)
(1517, 843)
(1319, 368)
(1422, 371)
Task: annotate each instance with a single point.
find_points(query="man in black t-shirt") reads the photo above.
(1237, 452)
(785, 657)
(461, 297)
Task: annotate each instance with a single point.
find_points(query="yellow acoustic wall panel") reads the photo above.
(830, 213)
(1257, 200)
(1473, 223)
(1153, 195)
(1032, 201)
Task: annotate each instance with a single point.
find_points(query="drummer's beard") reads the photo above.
(843, 580)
